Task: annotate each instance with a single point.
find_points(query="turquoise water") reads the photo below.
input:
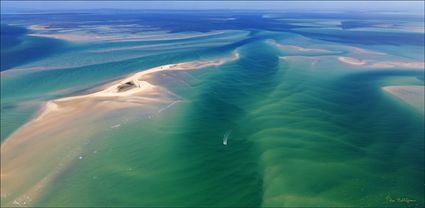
(301, 134)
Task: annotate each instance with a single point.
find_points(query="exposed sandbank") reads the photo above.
(351, 61)
(38, 27)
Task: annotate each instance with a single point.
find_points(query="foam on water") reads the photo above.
(226, 136)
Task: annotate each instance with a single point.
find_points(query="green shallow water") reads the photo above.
(299, 135)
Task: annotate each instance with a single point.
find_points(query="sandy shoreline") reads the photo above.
(47, 139)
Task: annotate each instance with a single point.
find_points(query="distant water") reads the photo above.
(17, 48)
(297, 134)
(10, 36)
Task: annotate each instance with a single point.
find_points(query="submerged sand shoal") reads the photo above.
(295, 48)
(42, 148)
(412, 95)
(80, 36)
(381, 64)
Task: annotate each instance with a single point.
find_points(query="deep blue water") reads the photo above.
(17, 48)
(10, 36)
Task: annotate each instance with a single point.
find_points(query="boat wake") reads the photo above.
(226, 136)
